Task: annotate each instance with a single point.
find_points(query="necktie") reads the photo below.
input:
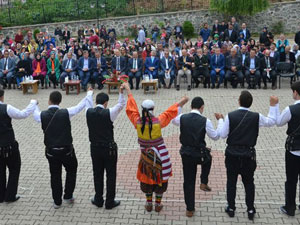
(167, 65)
(216, 60)
(268, 62)
(118, 63)
(152, 58)
(135, 63)
(68, 64)
(5, 64)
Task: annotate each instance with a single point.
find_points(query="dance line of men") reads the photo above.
(240, 127)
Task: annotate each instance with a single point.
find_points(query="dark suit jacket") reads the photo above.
(68, 35)
(283, 57)
(297, 38)
(220, 64)
(257, 63)
(11, 64)
(139, 64)
(234, 35)
(238, 62)
(263, 63)
(181, 63)
(123, 66)
(73, 63)
(201, 62)
(248, 35)
(171, 64)
(103, 64)
(81, 64)
(148, 63)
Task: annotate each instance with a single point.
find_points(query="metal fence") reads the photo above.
(16, 13)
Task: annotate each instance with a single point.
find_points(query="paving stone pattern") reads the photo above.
(35, 206)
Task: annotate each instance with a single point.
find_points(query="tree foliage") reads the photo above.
(239, 7)
(188, 29)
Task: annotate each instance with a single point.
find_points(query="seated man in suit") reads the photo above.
(100, 69)
(118, 63)
(185, 68)
(167, 69)
(69, 67)
(231, 34)
(273, 53)
(234, 67)
(7, 68)
(152, 65)
(267, 66)
(252, 64)
(201, 68)
(85, 69)
(135, 69)
(245, 32)
(287, 56)
(217, 65)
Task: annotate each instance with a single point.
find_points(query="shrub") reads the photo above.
(188, 29)
(35, 32)
(277, 28)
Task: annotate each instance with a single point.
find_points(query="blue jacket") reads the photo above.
(73, 63)
(170, 63)
(220, 64)
(139, 64)
(103, 65)
(81, 63)
(123, 66)
(149, 63)
(11, 64)
(205, 33)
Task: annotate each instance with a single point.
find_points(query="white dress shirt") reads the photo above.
(167, 64)
(270, 120)
(114, 111)
(284, 118)
(72, 110)
(15, 113)
(85, 63)
(210, 131)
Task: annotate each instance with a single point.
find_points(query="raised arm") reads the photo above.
(81, 105)
(115, 111)
(270, 120)
(37, 114)
(132, 110)
(15, 113)
(166, 117)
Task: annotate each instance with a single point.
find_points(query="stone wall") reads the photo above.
(288, 13)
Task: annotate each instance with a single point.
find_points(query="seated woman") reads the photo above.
(53, 67)
(39, 69)
(22, 69)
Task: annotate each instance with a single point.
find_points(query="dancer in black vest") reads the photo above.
(291, 116)
(58, 140)
(241, 129)
(193, 128)
(104, 150)
(9, 149)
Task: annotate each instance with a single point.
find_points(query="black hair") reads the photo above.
(1, 93)
(146, 114)
(197, 103)
(246, 99)
(296, 87)
(101, 98)
(55, 97)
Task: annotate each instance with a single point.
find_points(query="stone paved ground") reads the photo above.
(35, 206)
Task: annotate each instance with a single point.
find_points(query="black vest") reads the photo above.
(57, 131)
(7, 135)
(293, 130)
(101, 129)
(243, 133)
(192, 134)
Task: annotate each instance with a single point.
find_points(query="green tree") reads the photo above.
(239, 7)
(188, 29)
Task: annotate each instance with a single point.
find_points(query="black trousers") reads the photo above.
(292, 170)
(202, 71)
(104, 159)
(189, 175)
(273, 77)
(245, 167)
(56, 162)
(9, 159)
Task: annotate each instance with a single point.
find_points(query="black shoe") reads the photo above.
(115, 204)
(229, 211)
(225, 86)
(249, 87)
(251, 214)
(159, 85)
(85, 88)
(205, 86)
(137, 88)
(197, 85)
(177, 88)
(100, 87)
(98, 204)
(189, 88)
(213, 86)
(218, 86)
(14, 200)
(9, 87)
(285, 211)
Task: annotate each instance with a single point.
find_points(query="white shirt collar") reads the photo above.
(101, 106)
(244, 108)
(196, 111)
(53, 106)
(296, 102)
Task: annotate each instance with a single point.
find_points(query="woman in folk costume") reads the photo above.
(154, 167)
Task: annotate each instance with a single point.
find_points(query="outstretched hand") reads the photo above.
(219, 116)
(183, 101)
(274, 100)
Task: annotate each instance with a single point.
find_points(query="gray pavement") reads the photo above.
(35, 206)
